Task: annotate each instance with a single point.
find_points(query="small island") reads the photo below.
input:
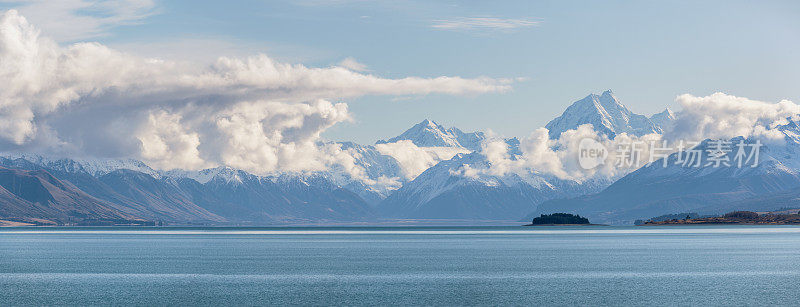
(559, 219)
(736, 217)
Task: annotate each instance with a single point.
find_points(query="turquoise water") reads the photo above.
(731, 265)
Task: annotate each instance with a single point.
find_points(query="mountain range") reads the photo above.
(41, 189)
(221, 196)
(671, 186)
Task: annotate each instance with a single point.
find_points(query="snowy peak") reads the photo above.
(221, 174)
(610, 102)
(663, 119)
(428, 133)
(790, 130)
(605, 113)
(666, 114)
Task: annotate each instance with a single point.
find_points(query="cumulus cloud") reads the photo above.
(251, 113)
(166, 143)
(267, 137)
(414, 159)
(542, 155)
(483, 23)
(722, 116)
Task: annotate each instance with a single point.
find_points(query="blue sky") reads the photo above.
(647, 52)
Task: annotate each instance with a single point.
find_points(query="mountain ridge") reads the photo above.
(428, 133)
(462, 187)
(656, 190)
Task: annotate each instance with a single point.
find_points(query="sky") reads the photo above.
(535, 57)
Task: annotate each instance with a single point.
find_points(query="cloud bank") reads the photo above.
(722, 116)
(253, 113)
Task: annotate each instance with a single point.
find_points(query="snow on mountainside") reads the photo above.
(664, 120)
(225, 196)
(138, 195)
(450, 190)
(430, 134)
(94, 167)
(384, 174)
(374, 163)
(440, 188)
(656, 190)
(440, 193)
(222, 173)
(606, 114)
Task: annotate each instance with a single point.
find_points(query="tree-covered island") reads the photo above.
(559, 219)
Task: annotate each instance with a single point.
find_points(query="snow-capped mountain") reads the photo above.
(37, 196)
(92, 166)
(444, 191)
(288, 198)
(606, 114)
(440, 193)
(430, 134)
(218, 195)
(119, 189)
(462, 187)
(664, 119)
(457, 189)
(382, 171)
(220, 173)
(706, 189)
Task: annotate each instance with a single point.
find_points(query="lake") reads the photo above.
(581, 265)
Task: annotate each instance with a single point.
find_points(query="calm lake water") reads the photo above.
(684, 265)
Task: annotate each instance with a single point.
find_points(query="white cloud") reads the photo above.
(252, 113)
(352, 64)
(559, 157)
(70, 20)
(167, 144)
(722, 116)
(484, 23)
(414, 159)
(263, 137)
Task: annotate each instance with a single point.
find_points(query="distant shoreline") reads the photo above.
(734, 218)
(668, 223)
(565, 225)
